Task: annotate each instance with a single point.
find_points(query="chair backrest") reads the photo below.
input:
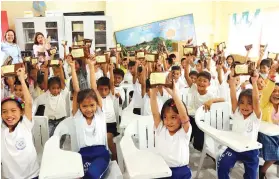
(142, 128)
(40, 132)
(67, 126)
(129, 89)
(218, 116)
(146, 132)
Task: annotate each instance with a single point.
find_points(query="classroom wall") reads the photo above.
(211, 18)
(16, 9)
(130, 14)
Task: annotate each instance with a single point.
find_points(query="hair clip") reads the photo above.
(16, 99)
(172, 104)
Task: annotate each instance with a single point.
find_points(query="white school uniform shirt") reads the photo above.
(163, 98)
(137, 95)
(55, 106)
(174, 149)
(198, 100)
(19, 156)
(224, 91)
(128, 77)
(121, 91)
(108, 108)
(147, 107)
(248, 127)
(93, 134)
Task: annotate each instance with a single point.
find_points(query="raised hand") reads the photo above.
(21, 74)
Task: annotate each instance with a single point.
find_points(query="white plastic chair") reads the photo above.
(67, 127)
(142, 162)
(40, 134)
(128, 90)
(60, 164)
(214, 125)
(218, 117)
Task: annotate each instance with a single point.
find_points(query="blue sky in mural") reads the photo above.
(176, 29)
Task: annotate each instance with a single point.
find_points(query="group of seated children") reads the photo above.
(96, 93)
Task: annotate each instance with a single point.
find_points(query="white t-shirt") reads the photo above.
(55, 106)
(224, 92)
(163, 98)
(108, 108)
(198, 100)
(19, 156)
(174, 149)
(137, 95)
(93, 134)
(121, 91)
(128, 77)
(147, 106)
(247, 127)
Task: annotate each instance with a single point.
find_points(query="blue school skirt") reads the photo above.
(270, 149)
(183, 172)
(95, 161)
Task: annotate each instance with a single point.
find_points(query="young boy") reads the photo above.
(179, 84)
(137, 81)
(118, 79)
(124, 65)
(128, 77)
(264, 68)
(199, 96)
(105, 86)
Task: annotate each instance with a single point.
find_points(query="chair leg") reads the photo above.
(278, 171)
(120, 159)
(203, 155)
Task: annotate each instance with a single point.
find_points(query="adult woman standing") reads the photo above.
(10, 48)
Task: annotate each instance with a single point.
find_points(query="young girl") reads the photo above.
(54, 100)
(246, 120)
(19, 157)
(40, 45)
(90, 123)
(7, 86)
(270, 107)
(172, 133)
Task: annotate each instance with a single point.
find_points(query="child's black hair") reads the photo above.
(103, 81)
(170, 61)
(182, 59)
(87, 93)
(205, 74)
(172, 56)
(246, 93)
(170, 104)
(118, 71)
(194, 73)
(40, 78)
(131, 63)
(124, 59)
(54, 80)
(17, 82)
(229, 57)
(276, 84)
(148, 85)
(265, 62)
(175, 68)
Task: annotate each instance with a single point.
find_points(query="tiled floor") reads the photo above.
(208, 169)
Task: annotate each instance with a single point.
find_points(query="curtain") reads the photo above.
(245, 29)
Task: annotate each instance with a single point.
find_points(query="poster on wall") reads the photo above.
(176, 29)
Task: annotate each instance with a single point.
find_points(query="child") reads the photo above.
(128, 77)
(8, 86)
(81, 74)
(18, 91)
(90, 124)
(172, 133)
(137, 81)
(105, 87)
(19, 156)
(264, 68)
(118, 78)
(124, 65)
(176, 72)
(199, 96)
(246, 121)
(40, 45)
(269, 103)
(54, 100)
(229, 61)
